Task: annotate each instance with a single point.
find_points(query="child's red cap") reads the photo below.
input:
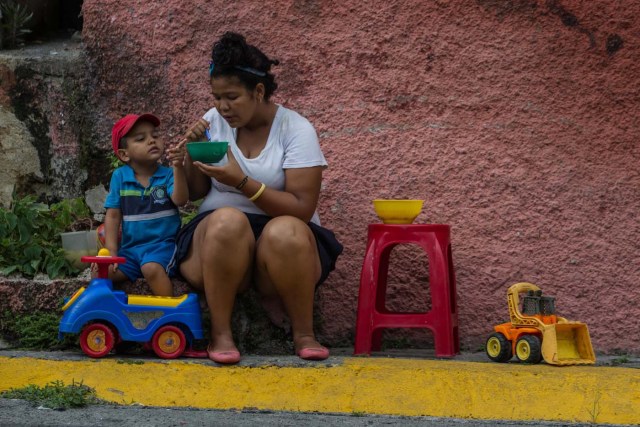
(124, 125)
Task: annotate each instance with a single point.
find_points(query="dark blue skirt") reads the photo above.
(328, 246)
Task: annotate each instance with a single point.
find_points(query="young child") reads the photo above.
(143, 198)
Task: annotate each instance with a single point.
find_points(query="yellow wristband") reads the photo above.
(258, 193)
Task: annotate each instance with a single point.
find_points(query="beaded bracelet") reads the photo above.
(258, 193)
(242, 183)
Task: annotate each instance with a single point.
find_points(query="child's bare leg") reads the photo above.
(115, 275)
(157, 278)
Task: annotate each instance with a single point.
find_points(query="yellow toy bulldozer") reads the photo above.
(537, 332)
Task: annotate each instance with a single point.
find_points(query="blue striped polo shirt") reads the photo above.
(148, 214)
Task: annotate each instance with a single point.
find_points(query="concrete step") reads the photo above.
(392, 384)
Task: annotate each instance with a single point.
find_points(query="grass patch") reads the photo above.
(129, 362)
(620, 360)
(55, 395)
(35, 331)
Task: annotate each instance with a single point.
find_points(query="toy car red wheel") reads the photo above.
(498, 348)
(169, 342)
(528, 349)
(97, 340)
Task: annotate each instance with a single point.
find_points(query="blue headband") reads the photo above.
(237, 67)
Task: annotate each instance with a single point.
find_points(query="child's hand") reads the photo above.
(176, 154)
(94, 270)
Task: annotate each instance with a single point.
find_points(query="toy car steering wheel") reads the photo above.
(104, 260)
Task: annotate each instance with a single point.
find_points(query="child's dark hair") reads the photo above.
(233, 56)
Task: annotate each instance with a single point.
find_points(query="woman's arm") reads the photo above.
(302, 184)
(299, 198)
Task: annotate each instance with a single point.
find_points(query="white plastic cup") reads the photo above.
(77, 244)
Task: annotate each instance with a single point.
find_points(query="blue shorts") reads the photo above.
(161, 253)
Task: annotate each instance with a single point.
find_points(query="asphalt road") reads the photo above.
(20, 413)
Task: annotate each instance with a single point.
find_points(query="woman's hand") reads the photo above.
(299, 198)
(198, 183)
(196, 131)
(229, 174)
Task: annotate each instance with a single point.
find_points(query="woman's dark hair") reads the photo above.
(233, 56)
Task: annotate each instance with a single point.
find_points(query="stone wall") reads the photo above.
(514, 120)
(48, 123)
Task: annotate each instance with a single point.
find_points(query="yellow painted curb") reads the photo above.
(357, 385)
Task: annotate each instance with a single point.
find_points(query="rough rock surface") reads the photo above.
(48, 123)
(19, 156)
(514, 120)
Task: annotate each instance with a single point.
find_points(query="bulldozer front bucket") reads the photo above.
(567, 344)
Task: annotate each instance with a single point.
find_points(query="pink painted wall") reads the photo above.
(516, 121)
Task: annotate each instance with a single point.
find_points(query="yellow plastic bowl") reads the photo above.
(398, 211)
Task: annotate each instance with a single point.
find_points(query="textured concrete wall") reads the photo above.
(515, 120)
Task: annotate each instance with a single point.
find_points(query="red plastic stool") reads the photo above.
(373, 316)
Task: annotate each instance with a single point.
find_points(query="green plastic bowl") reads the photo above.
(207, 151)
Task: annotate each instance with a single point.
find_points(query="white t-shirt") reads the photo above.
(292, 143)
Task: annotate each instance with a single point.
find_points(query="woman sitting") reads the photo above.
(258, 222)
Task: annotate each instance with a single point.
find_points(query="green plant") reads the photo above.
(130, 362)
(114, 162)
(189, 211)
(55, 395)
(595, 407)
(13, 19)
(620, 360)
(29, 236)
(35, 331)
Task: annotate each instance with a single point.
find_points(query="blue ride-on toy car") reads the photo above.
(105, 317)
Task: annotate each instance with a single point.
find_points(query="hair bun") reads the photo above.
(230, 39)
(230, 50)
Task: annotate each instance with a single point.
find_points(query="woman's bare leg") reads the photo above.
(288, 266)
(220, 262)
